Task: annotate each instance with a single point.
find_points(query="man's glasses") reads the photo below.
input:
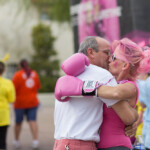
(107, 52)
(113, 57)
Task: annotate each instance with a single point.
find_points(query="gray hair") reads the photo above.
(88, 42)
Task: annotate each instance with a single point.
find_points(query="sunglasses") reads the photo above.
(113, 57)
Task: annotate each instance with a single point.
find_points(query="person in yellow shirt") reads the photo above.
(7, 95)
(140, 106)
(140, 110)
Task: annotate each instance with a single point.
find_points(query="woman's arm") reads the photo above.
(120, 92)
(124, 109)
(126, 113)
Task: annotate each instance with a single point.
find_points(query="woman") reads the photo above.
(126, 63)
(7, 95)
(27, 84)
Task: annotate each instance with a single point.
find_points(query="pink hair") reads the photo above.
(144, 66)
(130, 52)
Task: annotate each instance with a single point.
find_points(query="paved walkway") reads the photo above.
(45, 123)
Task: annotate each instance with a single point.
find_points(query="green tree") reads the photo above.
(58, 10)
(44, 60)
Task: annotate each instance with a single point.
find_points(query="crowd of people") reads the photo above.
(96, 101)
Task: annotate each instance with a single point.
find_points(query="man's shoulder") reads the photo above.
(98, 70)
(93, 72)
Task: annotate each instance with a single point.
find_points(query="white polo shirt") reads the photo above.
(81, 118)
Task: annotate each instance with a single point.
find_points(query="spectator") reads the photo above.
(27, 84)
(7, 95)
(142, 95)
(146, 116)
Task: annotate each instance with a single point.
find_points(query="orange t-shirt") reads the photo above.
(26, 89)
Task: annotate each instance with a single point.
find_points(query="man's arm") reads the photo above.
(126, 113)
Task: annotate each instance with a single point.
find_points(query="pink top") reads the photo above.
(112, 129)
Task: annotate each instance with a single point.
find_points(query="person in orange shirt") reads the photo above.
(27, 84)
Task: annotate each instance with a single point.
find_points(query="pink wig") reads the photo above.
(130, 52)
(144, 66)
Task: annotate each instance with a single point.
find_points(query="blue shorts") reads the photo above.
(30, 114)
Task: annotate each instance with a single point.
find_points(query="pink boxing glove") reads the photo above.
(75, 64)
(68, 86)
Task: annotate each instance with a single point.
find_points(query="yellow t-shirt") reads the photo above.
(140, 126)
(7, 95)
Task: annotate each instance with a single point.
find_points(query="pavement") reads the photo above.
(45, 124)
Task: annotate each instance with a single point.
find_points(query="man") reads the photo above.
(27, 84)
(77, 121)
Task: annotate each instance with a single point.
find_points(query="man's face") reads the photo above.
(102, 56)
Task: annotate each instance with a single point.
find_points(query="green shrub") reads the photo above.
(44, 59)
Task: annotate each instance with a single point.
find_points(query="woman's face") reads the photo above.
(115, 65)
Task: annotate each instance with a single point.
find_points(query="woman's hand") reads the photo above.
(131, 130)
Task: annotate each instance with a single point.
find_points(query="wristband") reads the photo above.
(89, 88)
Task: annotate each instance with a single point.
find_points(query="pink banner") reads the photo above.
(99, 17)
